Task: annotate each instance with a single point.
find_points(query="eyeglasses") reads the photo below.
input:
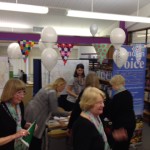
(21, 92)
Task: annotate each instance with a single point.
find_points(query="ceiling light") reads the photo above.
(23, 8)
(105, 16)
(14, 25)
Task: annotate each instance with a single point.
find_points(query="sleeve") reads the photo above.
(75, 112)
(52, 101)
(83, 137)
(53, 105)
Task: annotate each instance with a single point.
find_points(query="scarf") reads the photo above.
(120, 90)
(16, 115)
(99, 126)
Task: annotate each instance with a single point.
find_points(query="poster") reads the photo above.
(60, 70)
(134, 73)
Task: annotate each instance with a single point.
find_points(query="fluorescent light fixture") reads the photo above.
(14, 25)
(105, 16)
(76, 31)
(23, 8)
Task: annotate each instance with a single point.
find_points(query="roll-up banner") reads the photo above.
(134, 73)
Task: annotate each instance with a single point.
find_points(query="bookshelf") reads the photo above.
(146, 112)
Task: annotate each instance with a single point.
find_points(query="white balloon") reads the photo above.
(93, 29)
(49, 58)
(43, 45)
(120, 57)
(117, 37)
(49, 35)
(14, 51)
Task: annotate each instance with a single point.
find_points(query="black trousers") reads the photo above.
(36, 144)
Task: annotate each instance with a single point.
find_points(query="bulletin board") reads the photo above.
(61, 70)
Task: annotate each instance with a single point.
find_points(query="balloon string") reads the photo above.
(92, 5)
(138, 4)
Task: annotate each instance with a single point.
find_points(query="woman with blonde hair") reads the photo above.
(88, 132)
(43, 104)
(12, 115)
(121, 114)
(91, 80)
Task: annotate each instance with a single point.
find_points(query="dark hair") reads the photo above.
(77, 67)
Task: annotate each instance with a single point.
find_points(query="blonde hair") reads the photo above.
(11, 87)
(117, 80)
(89, 97)
(58, 82)
(92, 80)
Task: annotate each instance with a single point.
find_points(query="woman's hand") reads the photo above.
(27, 125)
(21, 133)
(69, 132)
(120, 134)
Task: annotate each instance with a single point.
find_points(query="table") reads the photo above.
(56, 133)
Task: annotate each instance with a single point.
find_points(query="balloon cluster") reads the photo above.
(120, 57)
(117, 38)
(42, 45)
(14, 51)
(49, 56)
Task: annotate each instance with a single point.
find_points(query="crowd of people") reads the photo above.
(86, 103)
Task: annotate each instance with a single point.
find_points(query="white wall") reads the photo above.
(143, 12)
(34, 54)
(84, 50)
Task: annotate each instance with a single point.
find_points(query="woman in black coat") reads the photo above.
(121, 113)
(92, 80)
(87, 131)
(12, 112)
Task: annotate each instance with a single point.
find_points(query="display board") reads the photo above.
(61, 70)
(134, 73)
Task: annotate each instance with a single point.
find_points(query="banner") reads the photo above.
(101, 50)
(134, 73)
(25, 46)
(65, 51)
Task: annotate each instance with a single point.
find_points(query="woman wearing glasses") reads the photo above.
(12, 113)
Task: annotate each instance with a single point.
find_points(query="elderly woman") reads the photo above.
(88, 132)
(9, 138)
(12, 114)
(122, 113)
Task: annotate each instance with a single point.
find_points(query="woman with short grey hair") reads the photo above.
(121, 113)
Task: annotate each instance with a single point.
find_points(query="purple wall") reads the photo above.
(61, 39)
(77, 40)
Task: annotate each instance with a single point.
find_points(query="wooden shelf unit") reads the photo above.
(146, 112)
